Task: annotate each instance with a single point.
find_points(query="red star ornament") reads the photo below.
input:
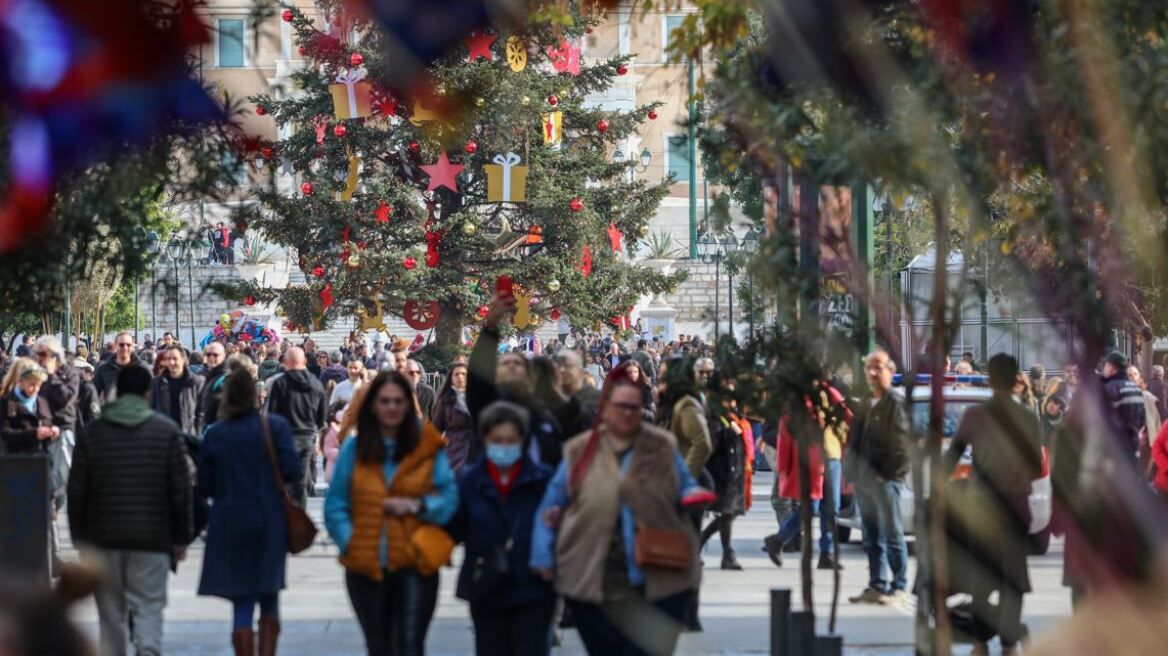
(479, 45)
(442, 173)
(615, 237)
(382, 213)
(326, 297)
(586, 262)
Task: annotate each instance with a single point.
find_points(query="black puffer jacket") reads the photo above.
(18, 426)
(61, 391)
(105, 378)
(300, 398)
(130, 485)
(190, 400)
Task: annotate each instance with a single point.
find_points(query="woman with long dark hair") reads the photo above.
(727, 466)
(452, 416)
(637, 375)
(621, 490)
(391, 491)
(247, 537)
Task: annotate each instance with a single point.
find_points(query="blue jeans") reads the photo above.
(883, 534)
(791, 524)
(829, 507)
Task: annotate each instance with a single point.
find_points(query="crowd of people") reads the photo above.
(582, 496)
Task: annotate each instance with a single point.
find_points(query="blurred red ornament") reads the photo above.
(484, 311)
(340, 130)
(576, 204)
(415, 146)
(383, 212)
(553, 101)
(302, 50)
(652, 115)
(622, 70)
(306, 189)
(588, 30)
(357, 59)
(555, 314)
(249, 301)
(260, 111)
(266, 152)
(409, 263)
(471, 147)
(337, 21)
(318, 270)
(602, 126)
(287, 15)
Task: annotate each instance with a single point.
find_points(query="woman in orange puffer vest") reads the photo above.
(391, 491)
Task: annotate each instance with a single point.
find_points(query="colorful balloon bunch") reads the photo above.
(237, 327)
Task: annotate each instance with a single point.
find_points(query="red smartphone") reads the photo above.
(503, 286)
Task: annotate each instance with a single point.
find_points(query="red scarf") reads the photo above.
(497, 477)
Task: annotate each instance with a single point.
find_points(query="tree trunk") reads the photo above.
(448, 332)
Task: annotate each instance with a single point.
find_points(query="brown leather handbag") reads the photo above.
(659, 547)
(301, 530)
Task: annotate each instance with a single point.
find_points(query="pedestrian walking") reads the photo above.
(1128, 416)
(177, 393)
(1151, 416)
(335, 371)
(452, 417)
(343, 392)
(106, 376)
(422, 390)
(727, 468)
(992, 513)
(877, 463)
(637, 375)
(391, 491)
(300, 399)
(247, 537)
(213, 380)
(615, 530)
(499, 493)
(61, 389)
(787, 470)
(1159, 389)
(26, 427)
(130, 512)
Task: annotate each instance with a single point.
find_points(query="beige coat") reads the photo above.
(689, 424)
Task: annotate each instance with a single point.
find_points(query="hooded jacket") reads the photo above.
(268, 368)
(130, 485)
(299, 397)
(190, 400)
(61, 391)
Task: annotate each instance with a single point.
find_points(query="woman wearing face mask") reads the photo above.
(451, 416)
(392, 489)
(614, 529)
(498, 496)
(26, 425)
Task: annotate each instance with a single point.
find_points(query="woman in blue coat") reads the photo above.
(247, 538)
(498, 496)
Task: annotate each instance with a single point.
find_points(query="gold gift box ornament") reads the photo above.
(506, 179)
(352, 97)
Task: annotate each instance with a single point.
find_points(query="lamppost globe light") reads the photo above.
(618, 156)
(729, 244)
(750, 242)
(177, 249)
(646, 159)
(705, 250)
(152, 242)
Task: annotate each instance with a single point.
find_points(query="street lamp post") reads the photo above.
(153, 248)
(634, 169)
(750, 247)
(713, 250)
(177, 251)
(729, 247)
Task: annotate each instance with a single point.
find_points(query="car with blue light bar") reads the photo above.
(960, 392)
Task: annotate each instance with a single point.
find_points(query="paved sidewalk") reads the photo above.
(318, 620)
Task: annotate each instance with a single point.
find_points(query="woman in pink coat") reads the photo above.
(787, 463)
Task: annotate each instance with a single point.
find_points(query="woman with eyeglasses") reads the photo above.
(392, 490)
(614, 530)
(27, 423)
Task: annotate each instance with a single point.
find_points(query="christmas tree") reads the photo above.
(415, 204)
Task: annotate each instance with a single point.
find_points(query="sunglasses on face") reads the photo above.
(628, 408)
(124, 345)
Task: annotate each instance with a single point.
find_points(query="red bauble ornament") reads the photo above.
(471, 147)
(415, 146)
(553, 101)
(622, 70)
(602, 126)
(409, 263)
(318, 270)
(337, 21)
(588, 30)
(302, 50)
(266, 152)
(555, 314)
(287, 15)
(249, 301)
(357, 59)
(306, 189)
(652, 115)
(576, 204)
(484, 311)
(340, 130)
(260, 111)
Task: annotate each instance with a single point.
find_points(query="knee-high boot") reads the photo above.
(243, 642)
(269, 634)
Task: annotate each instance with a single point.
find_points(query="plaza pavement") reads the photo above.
(317, 618)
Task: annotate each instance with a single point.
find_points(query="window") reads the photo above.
(671, 23)
(677, 157)
(230, 43)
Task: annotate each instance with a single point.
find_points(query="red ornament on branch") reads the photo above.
(415, 146)
(410, 263)
(471, 147)
(302, 50)
(260, 111)
(306, 188)
(576, 204)
(553, 101)
(287, 15)
(340, 130)
(484, 311)
(652, 115)
(249, 300)
(266, 152)
(357, 59)
(622, 70)
(602, 126)
(555, 314)
(318, 271)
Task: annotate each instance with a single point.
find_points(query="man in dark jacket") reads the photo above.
(300, 398)
(878, 460)
(178, 393)
(335, 371)
(582, 398)
(992, 518)
(130, 511)
(644, 360)
(106, 376)
(1126, 401)
(422, 390)
(216, 357)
